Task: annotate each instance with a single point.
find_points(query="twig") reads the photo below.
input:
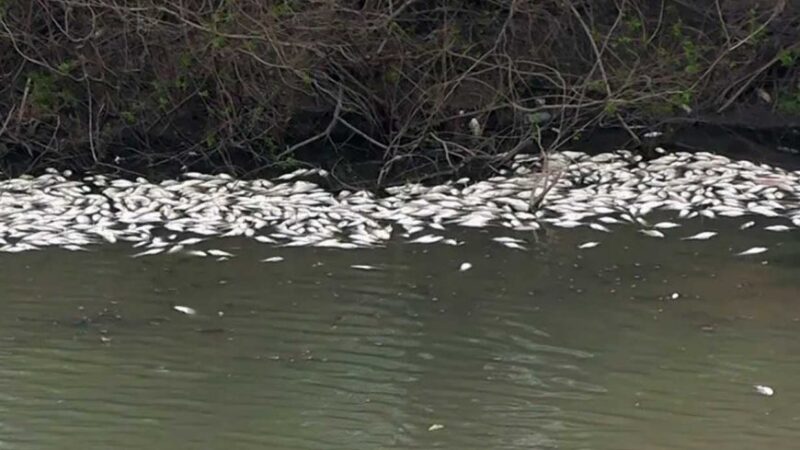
(8, 120)
(752, 78)
(324, 133)
(91, 119)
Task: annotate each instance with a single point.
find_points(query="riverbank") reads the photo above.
(377, 93)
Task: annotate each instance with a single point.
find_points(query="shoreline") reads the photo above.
(778, 146)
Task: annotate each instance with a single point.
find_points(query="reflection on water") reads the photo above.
(552, 348)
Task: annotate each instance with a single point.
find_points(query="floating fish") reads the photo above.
(272, 259)
(506, 239)
(567, 223)
(464, 267)
(666, 225)
(701, 236)
(191, 241)
(363, 267)
(609, 220)
(588, 245)
(764, 390)
(149, 252)
(752, 251)
(514, 245)
(599, 227)
(185, 309)
(56, 210)
(426, 239)
(652, 233)
(747, 225)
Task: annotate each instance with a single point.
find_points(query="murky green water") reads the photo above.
(551, 348)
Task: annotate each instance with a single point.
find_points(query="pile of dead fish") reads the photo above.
(598, 192)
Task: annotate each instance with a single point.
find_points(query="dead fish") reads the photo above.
(506, 239)
(752, 251)
(703, 235)
(567, 223)
(666, 225)
(185, 309)
(273, 259)
(599, 227)
(514, 245)
(778, 228)
(764, 390)
(652, 233)
(152, 251)
(363, 267)
(609, 219)
(588, 245)
(190, 241)
(747, 225)
(175, 249)
(427, 239)
(220, 253)
(464, 267)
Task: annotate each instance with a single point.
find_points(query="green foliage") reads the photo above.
(596, 86)
(128, 116)
(683, 98)
(788, 57)
(47, 94)
(392, 75)
(67, 66)
(755, 27)
(789, 102)
(43, 90)
(691, 56)
(634, 24)
(217, 42)
(186, 60)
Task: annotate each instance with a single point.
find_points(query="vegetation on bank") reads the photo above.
(249, 86)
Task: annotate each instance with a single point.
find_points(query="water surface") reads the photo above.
(550, 348)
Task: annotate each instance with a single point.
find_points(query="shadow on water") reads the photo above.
(551, 348)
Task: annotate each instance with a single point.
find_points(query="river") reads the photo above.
(638, 343)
